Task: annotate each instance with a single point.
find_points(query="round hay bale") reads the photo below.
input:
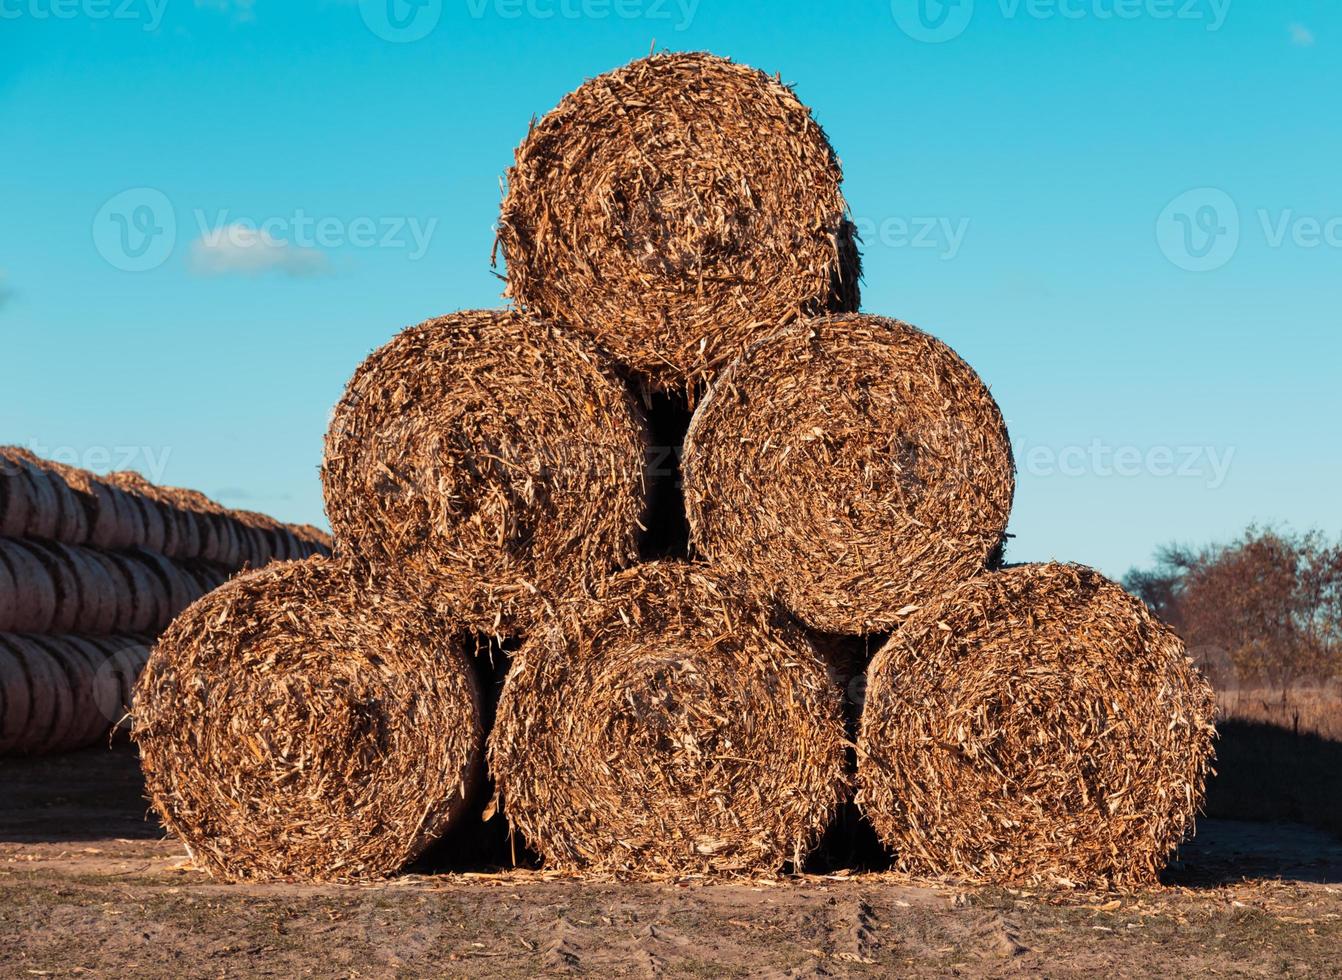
(113, 519)
(851, 466)
(311, 540)
(59, 562)
(98, 592)
(51, 703)
(69, 520)
(124, 658)
(144, 608)
(78, 663)
(162, 525)
(44, 505)
(14, 492)
(493, 460)
(1035, 724)
(15, 698)
(296, 724)
(122, 595)
(674, 209)
(672, 726)
(35, 602)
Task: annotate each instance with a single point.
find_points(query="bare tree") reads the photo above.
(1268, 605)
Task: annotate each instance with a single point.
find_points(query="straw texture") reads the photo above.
(673, 725)
(850, 465)
(296, 724)
(490, 461)
(1035, 724)
(674, 209)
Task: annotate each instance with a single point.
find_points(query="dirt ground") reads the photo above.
(88, 887)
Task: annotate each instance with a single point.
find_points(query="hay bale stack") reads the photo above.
(491, 461)
(674, 725)
(852, 466)
(36, 502)
(63, 692)
(673, 210)
(1036, 723)
(49, 587)
(296, 724)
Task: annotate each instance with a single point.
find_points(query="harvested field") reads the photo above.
(674, 210)
(87, 887)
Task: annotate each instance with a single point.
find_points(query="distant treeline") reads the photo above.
(1264, 610)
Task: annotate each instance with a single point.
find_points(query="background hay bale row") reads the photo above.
(852, 466)
(49, 587)
(64, 692)
(1035, 724)
(673, 725)
(53, 502)
(85, 560)
(490, 461)
(675, 209)
(299, 723)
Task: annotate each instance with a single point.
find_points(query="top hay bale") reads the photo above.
(491, 461)
(852, 466)
(675, 208)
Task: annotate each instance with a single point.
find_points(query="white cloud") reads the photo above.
(240, 249)
(1302, 35)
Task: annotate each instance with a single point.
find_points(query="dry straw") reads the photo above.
(296, 724)
(1035, 724)
(851, 465)
(674, 209)
(671, 726)
(491, 461)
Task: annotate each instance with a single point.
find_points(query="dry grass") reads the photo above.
(491, 462)
(852, 466)
(296, 723)
(1308, 709)
(675, 209)
(673, 725)
(1037, 723)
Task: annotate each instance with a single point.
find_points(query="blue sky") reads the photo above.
(1125, 214)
